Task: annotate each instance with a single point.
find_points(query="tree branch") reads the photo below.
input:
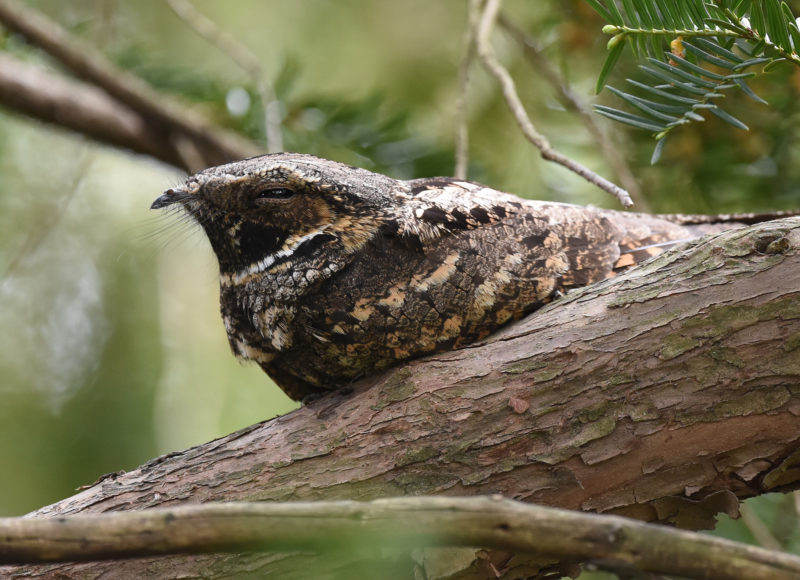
(81, 108)
(462, 125)
(393, 524)
(174, 124)
(243, 58)
(666, 394)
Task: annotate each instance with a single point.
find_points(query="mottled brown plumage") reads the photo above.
(329, 272)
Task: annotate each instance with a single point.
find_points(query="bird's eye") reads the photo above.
(274, 193)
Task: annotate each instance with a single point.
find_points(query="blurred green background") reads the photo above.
(111, 346)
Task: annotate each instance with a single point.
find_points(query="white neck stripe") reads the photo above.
(264, 263)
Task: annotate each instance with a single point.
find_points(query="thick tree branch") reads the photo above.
(394, 524)
(666, 394)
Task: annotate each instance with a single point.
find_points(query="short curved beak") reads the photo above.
(167, 198)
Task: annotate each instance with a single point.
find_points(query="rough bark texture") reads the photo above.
(665, 394)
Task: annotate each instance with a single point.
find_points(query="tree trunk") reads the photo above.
(666, 394)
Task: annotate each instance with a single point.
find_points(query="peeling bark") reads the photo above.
(666, 394)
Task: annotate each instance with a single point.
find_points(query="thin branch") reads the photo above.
(572, 101)
(244, 58)
(37, 235)
(87, 63)
(740, 30)
(493, 522)
(760, 532)
(753, 35)
(613, 30)
(493, 66)
(462, 129)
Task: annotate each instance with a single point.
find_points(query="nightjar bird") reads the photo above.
(329, 272)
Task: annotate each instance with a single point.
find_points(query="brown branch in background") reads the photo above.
(575, 103)
(243, 58)
(169, 118)
(462, 129)
(611, 542)
(503, 77)
(82, 108)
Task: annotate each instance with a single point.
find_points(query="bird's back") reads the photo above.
(412, 291)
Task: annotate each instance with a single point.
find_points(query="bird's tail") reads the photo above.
(745, 219)
(650, 235)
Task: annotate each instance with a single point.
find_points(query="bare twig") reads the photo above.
(493, 66)
(86, 62)
(398, 522)
(761, 533)
(36, 236)
(244, 58)
(572, 101)
(462, 130)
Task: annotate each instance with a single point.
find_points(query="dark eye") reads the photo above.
(275, 193)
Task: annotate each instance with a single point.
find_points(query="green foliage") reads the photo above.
(363, 133)
(695, 53)
(358, 131)
(772, 520)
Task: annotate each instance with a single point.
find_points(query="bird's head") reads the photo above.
(275, 209)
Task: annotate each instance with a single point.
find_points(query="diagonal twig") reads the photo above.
(38, 235)
(572, 101)
(498, 71)
(462, 130)
(243, 58)
(760, 532)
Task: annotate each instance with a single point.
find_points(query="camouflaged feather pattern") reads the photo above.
(330, 272)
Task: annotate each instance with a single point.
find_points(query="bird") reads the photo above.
(329, 273)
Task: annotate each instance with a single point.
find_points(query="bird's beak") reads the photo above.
(167, 198)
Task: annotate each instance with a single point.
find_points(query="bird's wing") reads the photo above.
(589, 244)
(435, 207)
(575, 245)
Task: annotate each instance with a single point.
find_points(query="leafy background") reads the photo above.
(111, 347)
